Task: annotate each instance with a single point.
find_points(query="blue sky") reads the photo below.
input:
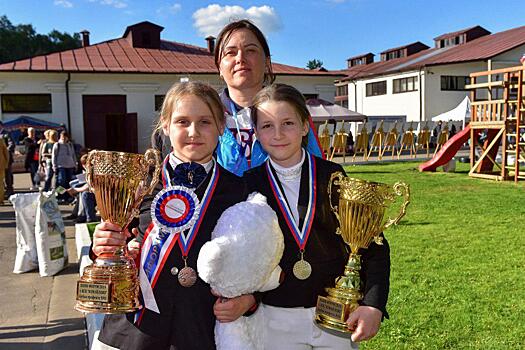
(297, 30)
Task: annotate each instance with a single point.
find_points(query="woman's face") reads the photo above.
(280, 131)
(243, 62)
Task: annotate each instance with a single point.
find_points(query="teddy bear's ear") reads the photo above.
(208, 261)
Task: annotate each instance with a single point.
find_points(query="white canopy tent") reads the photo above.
(322, 110)
(460, 113)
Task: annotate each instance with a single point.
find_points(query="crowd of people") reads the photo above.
(53, 162)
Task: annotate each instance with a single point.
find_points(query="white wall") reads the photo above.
(140, 91)
(36, 83)
(406, 103)
(322, 86)
(438, 101)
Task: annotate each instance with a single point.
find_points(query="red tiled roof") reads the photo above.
(481, 48)
(118, 56)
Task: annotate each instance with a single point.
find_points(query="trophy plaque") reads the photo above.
(120, 182)
(360, 213)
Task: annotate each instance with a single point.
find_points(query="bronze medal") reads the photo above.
(187, 277)
(302, 269)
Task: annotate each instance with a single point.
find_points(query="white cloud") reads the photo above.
(63, 3)
(118, 4)
(210, 20)
(163, 11)
(174, 8)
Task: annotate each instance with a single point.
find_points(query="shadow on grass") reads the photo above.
(368, 172)
(414, 223)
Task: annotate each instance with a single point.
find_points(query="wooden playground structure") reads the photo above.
(498, 113)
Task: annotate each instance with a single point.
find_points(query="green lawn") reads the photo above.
(458, 262)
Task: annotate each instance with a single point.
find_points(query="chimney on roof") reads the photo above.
(211, 43)
(85, 38)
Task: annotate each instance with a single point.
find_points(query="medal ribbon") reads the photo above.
(301, 236)
(157, 237)
(186, 238)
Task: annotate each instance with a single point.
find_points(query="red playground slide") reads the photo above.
(449, 149)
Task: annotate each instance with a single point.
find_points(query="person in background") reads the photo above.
(4, 161)
(31, 161)
(63, 160)
(11, 145)
(85, 210)
(46, 150)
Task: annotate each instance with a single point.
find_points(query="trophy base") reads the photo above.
(108, 286)
(332, 311)
(333, 328)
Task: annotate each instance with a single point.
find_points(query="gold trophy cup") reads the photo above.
(119, 181)
(360, 213)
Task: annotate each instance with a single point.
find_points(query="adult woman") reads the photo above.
(31, 161)
(46, 149)
(242, 56)
(64, 161)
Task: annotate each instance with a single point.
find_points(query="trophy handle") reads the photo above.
(339, 176)
(89, 170)
(152, 157)
(400, 189)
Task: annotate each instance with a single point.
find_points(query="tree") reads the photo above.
(22, 41)
(314, 64)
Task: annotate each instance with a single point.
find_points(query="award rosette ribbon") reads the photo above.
(176, 214)
(119, 181)
(360, 213)
(175, 210)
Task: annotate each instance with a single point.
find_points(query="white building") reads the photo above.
(415, 82)
(107, 94)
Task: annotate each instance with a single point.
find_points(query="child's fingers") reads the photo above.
(108, 226)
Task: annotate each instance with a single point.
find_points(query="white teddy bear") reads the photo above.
(242, 258)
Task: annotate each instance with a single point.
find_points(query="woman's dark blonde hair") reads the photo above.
(52, 135)
(204, 92)
(283, 93)
(225, 35)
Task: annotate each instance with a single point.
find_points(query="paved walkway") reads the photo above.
(36, 313)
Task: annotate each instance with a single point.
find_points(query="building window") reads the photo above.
(341, 90)
(454, 83)
(26, 103)
(159, 99)
(375, 89)
(405, 85)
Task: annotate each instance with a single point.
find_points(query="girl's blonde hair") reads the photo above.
(203, 91)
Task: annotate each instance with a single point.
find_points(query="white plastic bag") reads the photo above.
(50, 236)
(25, 206)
